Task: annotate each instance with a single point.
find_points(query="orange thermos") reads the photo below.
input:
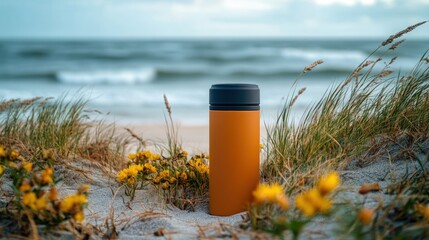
(234, 147)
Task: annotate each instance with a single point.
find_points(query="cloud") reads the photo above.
(205, 18)
(346, 2)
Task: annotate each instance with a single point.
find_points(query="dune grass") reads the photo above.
(368, 104)
(35, 126)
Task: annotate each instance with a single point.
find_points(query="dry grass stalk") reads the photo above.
(312, 66)
(29, 102)
(392, 60)
(396, 44)
(141, 141)
(344, 120)
(301, 91)
(399, 34)
(360, 67)
(167, 105)
(7, 103)
(385, 73)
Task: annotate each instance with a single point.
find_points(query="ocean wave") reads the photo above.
(288, 73)
(325, 54)
(146, 75)
(29, 75)
(107, 76)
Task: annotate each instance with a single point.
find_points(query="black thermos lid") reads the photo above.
(234, 96)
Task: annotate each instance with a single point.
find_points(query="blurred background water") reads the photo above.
(128, 78)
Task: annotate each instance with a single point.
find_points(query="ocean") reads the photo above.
(126, 80)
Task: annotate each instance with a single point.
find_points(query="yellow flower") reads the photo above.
(72, 201)
(165, 185)
(192, 175)
(328, 183)
(202, 169)
(423, 210)
(41, 203)
(311, 202)
(122, 175)
(155, 157)
(183, 176)
(1, 170)
(129, 174)
(303, 205)
(282, 201)
(25, 187)
(132, 156)
(53, 194)
(150, 168)
(156, 179)
(144, 156)
(172, 180)
(165, 173)
(79, 216)
(365, 215)
(29, 200)
(184, 153)
(273, 193)
(27, 166)
(48, 154)
(13, 165)
(267, 193)
(2, 152)
(46, 177)
(13, 155)
(84, 189)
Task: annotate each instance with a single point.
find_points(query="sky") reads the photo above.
(142, 19)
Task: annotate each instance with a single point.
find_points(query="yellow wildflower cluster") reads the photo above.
(39, 196)
(10, 158)
(314, 200)
(144, 157)
(273, 194)
(35, 203)
(133, 172)
(175, 175)
(129, 174)
(74, 205)
(199, 166)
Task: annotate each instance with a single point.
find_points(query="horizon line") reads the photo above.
(208, 38)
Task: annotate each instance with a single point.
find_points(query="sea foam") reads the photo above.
(325, 54)
(107, 76)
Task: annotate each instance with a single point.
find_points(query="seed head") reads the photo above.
(313, 65)
(399, 34)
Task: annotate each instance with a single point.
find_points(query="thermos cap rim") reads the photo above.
(234, 96)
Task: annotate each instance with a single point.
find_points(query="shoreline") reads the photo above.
(194, 137)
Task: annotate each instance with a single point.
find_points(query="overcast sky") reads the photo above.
(126, 19)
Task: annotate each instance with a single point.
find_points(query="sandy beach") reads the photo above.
(195, 138)
(146, 214)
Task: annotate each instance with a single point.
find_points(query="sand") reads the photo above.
(141, 218)
(194, 138)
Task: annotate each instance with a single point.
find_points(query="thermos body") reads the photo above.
(234, 147)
